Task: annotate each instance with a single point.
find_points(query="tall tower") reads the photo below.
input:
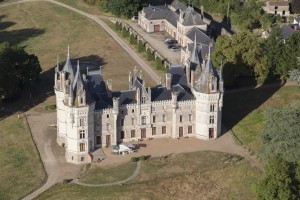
(75, 113)
(209, 99)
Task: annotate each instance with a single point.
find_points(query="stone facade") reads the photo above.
(176, 19)
(91, 115)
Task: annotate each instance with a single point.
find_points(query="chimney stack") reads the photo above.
(109, 87)
(168, 80)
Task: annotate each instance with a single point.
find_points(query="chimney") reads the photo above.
(168, 80)
(109, 88)
(188, 74)
(192, 78)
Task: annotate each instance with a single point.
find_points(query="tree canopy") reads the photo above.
(281, 133)
(279, 181)
(17, 69)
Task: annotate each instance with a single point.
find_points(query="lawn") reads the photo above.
(20, 166)
(46, 30)
(244, 111)
(210, 175)
(108, 174)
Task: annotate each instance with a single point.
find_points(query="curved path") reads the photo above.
(135, 173)
(120, 41)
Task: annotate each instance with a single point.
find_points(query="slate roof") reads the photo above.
(179, 84)
(156, 12)
(191, 17)
(201, 37)
(172, 18)
(178, 5)
(286, 31)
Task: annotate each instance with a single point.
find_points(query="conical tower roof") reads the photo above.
(78, 81)
(68, 65)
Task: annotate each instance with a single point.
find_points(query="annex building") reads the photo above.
(90, 115)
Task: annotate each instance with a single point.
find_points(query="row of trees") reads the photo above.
(245, 15)
(280, 149)
(248, 55)
(18, 69)
(140, 47)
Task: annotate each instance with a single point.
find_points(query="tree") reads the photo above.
(277, 182)
(295, 75)
(295, 6)
(18, 69)
(280, 135)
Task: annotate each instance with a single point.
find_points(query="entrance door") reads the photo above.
(211, 132)
(108, 140)
(156, 28)
(143, 133)
(180, 131)
(98, 139)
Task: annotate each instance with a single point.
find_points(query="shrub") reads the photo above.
(125, 32)
(50, 107)
(140, 46)
(132, 39)
(150, 56)
(142, 158)
(134, 159)
(66, 181)
(159, 64)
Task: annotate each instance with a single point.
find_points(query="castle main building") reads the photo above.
(90, 115)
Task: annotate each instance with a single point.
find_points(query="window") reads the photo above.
(132, 133)
(144, 99)
(143, 120)
(153, 109)
(153, 130)
(132, 110)
(163, 130)
(132, 121)
(190, 129)
(82, 158)
(190, 117)
(98, 139)
(82, 147)
(81, 100)
(122, 134)
(107, 116)
(81, 122)
(164, 118)
(180, 118)
(212, 108)
(122, 122)
(122, 112)
(108, 126)
(82, 134)
(153, 118)
(211, 120)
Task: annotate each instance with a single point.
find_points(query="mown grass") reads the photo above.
(108, 174)
(244, 111)
(209, 175)
(46, 30)
(20, 165)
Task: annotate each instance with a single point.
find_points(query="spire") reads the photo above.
(194, 56)
(78, 79)
(221, 71)
(57, 65)
(208, 66)
(68, 65)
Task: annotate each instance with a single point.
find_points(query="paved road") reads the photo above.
(135, 173)
(52, 155)
(146, 68)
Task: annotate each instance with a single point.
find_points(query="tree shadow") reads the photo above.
(40, 91)
(238, 103)
(15, 37)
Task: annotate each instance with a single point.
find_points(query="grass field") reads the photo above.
(46, 30)
(244, 111)
(20, 166)
(98, 175)
(209, 175)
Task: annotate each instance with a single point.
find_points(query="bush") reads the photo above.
(150, 56)
(134, 159)
(125, 33)
(132, 39)
(142, 158)
(50, 107)
(159, 64)
(140, 46)
(66, 181)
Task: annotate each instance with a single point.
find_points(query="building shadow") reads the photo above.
(238, 103)
(40, 91)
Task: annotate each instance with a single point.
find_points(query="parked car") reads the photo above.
(170, 42)
(175, 48)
